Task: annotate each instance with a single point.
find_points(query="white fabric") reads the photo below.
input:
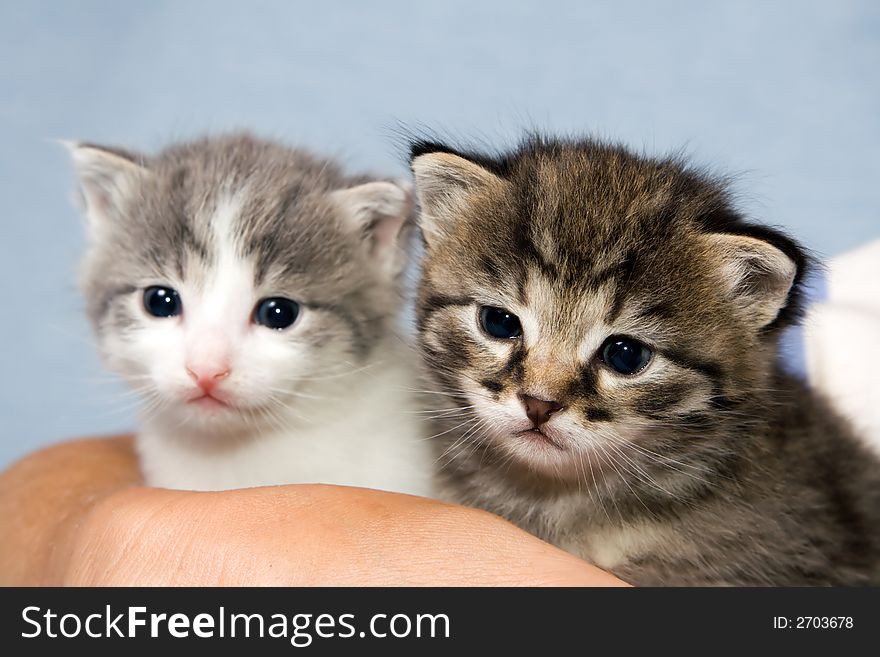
(842, 339)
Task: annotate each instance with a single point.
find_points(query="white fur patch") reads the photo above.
(609, 547)
(378, 442)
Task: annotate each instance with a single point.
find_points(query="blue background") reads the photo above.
(784, 93)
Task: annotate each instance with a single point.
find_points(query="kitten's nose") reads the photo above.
(539, 410)
(207, 378)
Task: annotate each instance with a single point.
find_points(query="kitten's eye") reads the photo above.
(162, 301)
(625, 355)
(276, 313)
(499, 323)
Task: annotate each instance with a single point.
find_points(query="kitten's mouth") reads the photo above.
(535, 434)
(209, 403)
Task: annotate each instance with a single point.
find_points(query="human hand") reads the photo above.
(80, 516)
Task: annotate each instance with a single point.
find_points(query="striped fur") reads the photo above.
(709, 467)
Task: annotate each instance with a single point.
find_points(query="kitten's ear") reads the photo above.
(758, 275)
(107, 177)
(444, 185)
(381, 211)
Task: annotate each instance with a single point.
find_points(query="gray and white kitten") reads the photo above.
(603, 329)
(249, 292)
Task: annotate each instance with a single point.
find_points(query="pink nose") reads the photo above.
(207, 378)
(539, 410)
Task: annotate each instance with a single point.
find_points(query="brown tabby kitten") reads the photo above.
(603, 330)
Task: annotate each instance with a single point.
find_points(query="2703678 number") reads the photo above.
(813, 622)
(824, 622)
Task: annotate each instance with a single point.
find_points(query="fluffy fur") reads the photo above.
(710, 466)
(227, 222)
